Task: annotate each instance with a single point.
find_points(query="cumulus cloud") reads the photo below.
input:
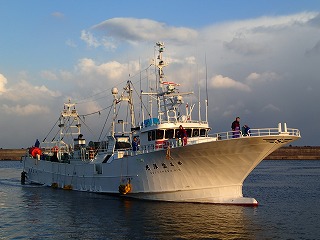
(89, 39)
(262, 77)
(111, 70)
(28, 109)
(65, 75)
(3, 82)
(92, 41)
(56, 75)
(28, 92)
(43, 89)
(48, 75)
(245, 47)
(220, 81)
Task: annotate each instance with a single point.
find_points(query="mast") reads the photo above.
(114, 92)
(199, 96)
(67, 118)
(168, 97)
(160, 64)
(207, 100)
(69, 124)
(126, 95)
(130, 101)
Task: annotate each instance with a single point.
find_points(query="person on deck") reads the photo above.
(37, 144)
(246, 130)
(235, 126)
(135, 144)
(182, 135)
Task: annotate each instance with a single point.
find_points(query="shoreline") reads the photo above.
(295, 153)
(283, 153)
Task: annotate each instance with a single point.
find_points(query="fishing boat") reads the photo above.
(168, 156)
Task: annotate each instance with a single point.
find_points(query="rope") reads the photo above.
(105, 122)
(51, 130)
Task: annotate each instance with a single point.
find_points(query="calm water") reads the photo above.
(288, 193)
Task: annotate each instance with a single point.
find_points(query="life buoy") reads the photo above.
(34, 151)
(124, 188)
(67, 187)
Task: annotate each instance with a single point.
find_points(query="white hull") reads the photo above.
(211, 172)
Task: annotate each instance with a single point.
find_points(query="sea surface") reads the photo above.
(289, 208)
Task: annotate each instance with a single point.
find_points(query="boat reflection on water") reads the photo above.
(192, 221)
(95, 216)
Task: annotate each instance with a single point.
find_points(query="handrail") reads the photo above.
(256, 133)
(173, 143)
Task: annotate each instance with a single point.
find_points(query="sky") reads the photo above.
(260, 60)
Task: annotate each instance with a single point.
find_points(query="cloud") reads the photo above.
(3, 82)
(137, 30)
(271, 108)
(245, 47)
(111, 70)
(95, 42)
(89, 39)
(28, 92)
(275, 24)
(262, 77)
(220, 81)
(191, 60)
(57, 15)
(314, 51)
(29, 109)
(48, 75)
(55, 76)
(66, 75)
(71, 43)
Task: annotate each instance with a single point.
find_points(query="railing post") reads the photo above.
(279, 128)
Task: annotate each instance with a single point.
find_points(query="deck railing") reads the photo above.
(255, 133)
(173, 143)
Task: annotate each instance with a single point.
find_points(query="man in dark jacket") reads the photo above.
(236, 127)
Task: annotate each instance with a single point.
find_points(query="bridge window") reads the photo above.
(169, 133)
(195, 132)
(151, 135)
(159, 134)
(188, 130)
(203, 132)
